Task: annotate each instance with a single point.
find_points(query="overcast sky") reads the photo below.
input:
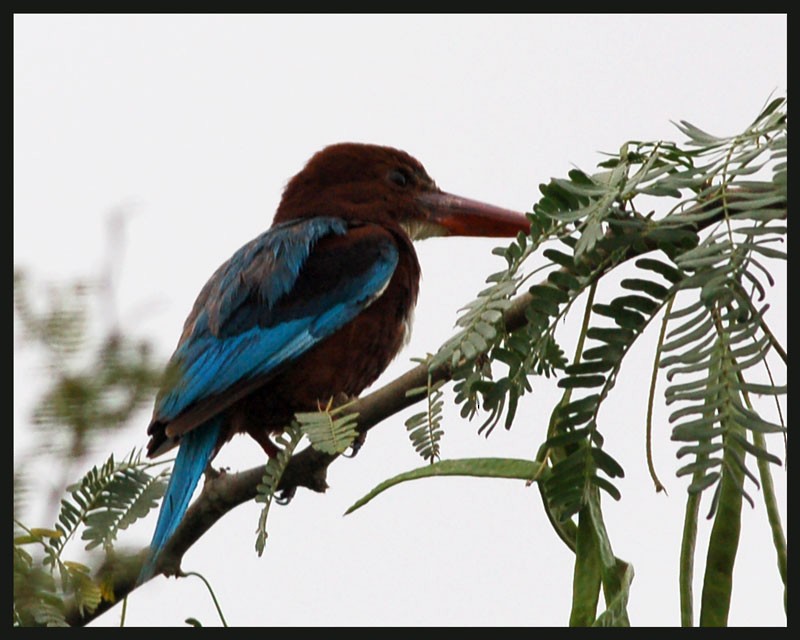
(192, 125)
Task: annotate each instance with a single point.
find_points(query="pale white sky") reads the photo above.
(193, 124)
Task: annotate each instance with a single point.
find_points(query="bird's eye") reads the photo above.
(399, 177)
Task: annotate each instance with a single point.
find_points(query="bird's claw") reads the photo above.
(285, 496)
(212, 474)
(355, 447)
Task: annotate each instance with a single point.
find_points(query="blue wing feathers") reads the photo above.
(252, 339)
(273, 260)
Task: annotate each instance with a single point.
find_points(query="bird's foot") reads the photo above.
(341, 399)
(335, 402)
(212, 474)
(263, 438)
(285, 496)
(355, 447)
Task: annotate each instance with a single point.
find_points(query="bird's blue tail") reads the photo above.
(194, 454)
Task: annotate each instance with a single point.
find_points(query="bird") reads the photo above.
(315, 307)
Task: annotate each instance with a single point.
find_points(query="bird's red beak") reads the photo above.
(464, 217)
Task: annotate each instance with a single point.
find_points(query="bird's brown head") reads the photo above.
(387, 186)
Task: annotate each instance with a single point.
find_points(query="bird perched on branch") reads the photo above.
(315, 307)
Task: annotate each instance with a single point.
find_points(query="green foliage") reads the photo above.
(96, 385)
(110, 499)
(425, 428)
(37, 598)
(327, 432)
(510, 468)
(703, 264)
(273, 471)
(105, 501)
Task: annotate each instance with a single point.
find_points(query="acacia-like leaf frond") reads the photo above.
(425, 428)
(327, 430)
(106, 500)
(287, 442)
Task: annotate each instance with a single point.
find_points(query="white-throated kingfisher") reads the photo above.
(314, 308)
